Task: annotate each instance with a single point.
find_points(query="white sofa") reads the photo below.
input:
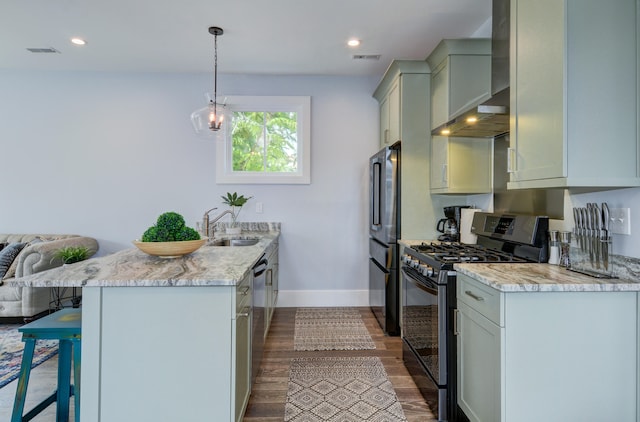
(27, 302)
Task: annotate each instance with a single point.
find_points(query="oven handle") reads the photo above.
(429, 289)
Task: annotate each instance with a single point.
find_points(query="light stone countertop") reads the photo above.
(541, 278)
(208, 266)
(547, 278)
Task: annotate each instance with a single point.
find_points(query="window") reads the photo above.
(267, 140)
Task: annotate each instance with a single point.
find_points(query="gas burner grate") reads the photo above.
(450, 252)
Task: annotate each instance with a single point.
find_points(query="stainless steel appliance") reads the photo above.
(384, 230)
(429, 297)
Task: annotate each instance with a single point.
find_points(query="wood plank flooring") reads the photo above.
(269, 392)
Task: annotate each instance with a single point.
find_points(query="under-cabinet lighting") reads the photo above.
(472, 119)
(445, 132)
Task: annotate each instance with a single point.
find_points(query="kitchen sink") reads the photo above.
(244, 241)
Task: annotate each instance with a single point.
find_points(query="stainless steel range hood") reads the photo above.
(490, 118)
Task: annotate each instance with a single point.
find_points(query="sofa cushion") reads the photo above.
(11, 272)
(8, 255)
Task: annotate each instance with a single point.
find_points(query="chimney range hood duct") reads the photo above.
(490, 118)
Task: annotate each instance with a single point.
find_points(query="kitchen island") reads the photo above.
(538, 342)
(164, 339)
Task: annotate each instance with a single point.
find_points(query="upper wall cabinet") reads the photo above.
(460, 78)
(461, 165)
(574, 94)
(402, 93)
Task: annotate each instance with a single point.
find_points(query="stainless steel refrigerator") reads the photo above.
(384, 229)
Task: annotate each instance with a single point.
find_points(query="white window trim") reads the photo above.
(300, 104)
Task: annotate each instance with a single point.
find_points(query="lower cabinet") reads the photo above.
(546, 356)
(478, 365)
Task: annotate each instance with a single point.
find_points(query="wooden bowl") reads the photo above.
(169, 249)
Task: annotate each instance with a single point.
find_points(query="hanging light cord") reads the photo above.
(215, 71)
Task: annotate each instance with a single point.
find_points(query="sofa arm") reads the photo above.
(41, 256)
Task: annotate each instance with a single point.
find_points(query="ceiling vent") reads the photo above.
(43, 50)
(366, 57)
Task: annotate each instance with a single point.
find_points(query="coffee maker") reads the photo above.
(450, 226)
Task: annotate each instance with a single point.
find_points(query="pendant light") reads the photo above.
(208, 121)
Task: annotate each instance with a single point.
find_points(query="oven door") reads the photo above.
(424, 322)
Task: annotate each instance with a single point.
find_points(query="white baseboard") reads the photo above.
(314, 298)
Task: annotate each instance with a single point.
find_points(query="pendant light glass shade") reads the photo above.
(208, 122)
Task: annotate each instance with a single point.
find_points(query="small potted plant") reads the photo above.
(71, 254)
(236, 202)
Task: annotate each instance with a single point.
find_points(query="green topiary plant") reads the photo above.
(170, 227)
(71, 254)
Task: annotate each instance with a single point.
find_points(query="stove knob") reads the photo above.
(426, 270)
(406, 258)
(414, 263)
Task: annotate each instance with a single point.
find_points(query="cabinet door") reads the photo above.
(469, 82)
(243, 360)
(479, 371)
(384, 122)
(394, 112)
(461, 165)
(439, 162)
(537, 132)
(440, 95)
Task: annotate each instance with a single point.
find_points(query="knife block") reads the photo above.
(585, 260)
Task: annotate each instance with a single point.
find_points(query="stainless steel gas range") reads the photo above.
(429, 297)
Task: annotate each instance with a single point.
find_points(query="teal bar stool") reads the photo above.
(65, 326)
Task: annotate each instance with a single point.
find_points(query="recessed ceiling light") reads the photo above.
(78, 41)
(353, 42)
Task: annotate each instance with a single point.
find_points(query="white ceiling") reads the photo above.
(302, 37)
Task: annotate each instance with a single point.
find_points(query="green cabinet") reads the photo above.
(460, 80)
(390, 116)
(461, 165)
(271, 282)
(574, 90)
(460, 77)
(574, 351)
(401, 94)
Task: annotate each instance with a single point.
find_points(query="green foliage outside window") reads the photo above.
(264, 141)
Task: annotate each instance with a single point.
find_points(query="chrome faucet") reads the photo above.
(206, 223)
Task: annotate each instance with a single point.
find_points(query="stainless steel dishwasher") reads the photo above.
(257, 329)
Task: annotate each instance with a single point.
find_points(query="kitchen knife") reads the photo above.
(576, 225)
(580, 225)
(597, 227)
(586, 218)
(605, 234)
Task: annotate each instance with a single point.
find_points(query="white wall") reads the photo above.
(103, 154)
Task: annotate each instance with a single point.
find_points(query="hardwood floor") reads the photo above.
(269, 392)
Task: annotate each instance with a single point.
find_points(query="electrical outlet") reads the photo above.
(258, 207)
(620, 221)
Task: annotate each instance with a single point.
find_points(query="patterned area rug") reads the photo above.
(341, 389)
(11, 347)
(330, 329)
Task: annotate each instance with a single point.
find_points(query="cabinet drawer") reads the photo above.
(482, 298)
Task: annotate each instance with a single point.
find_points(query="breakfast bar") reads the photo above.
(162, 339)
